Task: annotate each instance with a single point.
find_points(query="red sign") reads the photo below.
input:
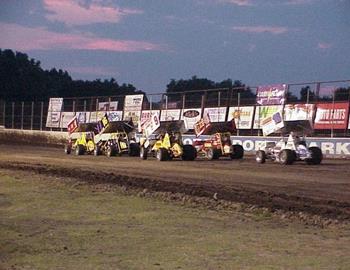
(332, 116)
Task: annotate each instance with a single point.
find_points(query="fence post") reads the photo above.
(41, 114)
(22, 113)
(183, 101)
(4, 114)
(13, 115)
(32, 116)
(150, 102)
(239, 111)
(219, 98)
(84, 105)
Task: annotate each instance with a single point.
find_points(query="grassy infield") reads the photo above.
(47, 224)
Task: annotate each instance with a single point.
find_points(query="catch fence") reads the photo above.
(332, 95)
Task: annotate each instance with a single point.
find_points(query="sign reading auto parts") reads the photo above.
(332, 116)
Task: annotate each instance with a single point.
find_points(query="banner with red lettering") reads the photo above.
(332, 116)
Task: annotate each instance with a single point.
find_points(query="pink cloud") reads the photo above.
(276, 30)
(71, 12)
(324, 46)
(24, 38)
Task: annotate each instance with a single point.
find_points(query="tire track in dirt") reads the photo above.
(331, 209)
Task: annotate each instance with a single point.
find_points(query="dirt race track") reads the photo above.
(322, 190)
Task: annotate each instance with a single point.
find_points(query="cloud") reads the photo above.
(72, 12)
(276, 30)
(238, 2)
(97, 71)
(298, 2)
(324, 46)
(24, 39)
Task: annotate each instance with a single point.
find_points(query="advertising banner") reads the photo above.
(66, 117)
(271, 94)
(107, 106)
(191, 117)
(262, 112)
(135, 116)
(133, 103)
(132, 107)
(293, 112)
(170, 115)
(332, 116)
(83, 117)
(54, 112)
(146, 114)
(243, 116)
(115, 115)
(217, 114)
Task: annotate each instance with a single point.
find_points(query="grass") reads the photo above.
(51, 224)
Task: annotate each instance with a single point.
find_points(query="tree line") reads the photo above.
(23, 79)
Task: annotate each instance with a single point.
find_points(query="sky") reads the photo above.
(149, 42)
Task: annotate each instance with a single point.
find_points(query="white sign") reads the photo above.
(108, 106)
(133, 103)
(243, 116)
(170, 115)
(217, 114)
(191, 117)
(132, 107)
(262, 112)
(54, 112)
(293, 112)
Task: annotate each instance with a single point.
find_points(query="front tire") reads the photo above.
(111, 151)
(143, 153)
(286, 157)
(67, 149)
(260, 156)
(162, 154)
(97, 151)
(134, 149)
(80, 150)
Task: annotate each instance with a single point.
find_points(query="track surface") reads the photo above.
(323, 190)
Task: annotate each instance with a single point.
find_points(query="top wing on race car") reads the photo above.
(298, 127)
(171, 127)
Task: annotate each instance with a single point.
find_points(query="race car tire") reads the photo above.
(111, 151)
(143, 153)
(260, 156)
(213, 154)
(189, 152)
(97, 151)
(80, 150)
(67, 149)
(238, 152)
(286, 157)
(162, 154)
(316, 156)
(134, 149)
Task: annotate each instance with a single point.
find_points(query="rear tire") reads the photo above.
(238, 152)
(143, 153)
(80, 150)
(260, 156)
(162, 154)
(286, 157)
(134, 149)
(189, 152)
(316, 156)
